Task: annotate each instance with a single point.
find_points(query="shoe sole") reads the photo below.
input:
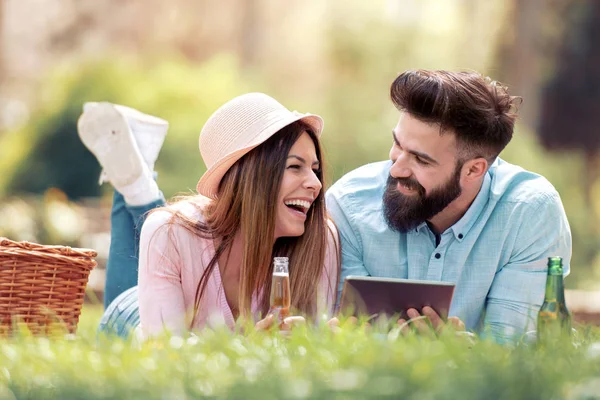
(104, 131)
(149, 131)
(136, 115)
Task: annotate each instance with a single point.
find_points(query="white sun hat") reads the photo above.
(239, 126)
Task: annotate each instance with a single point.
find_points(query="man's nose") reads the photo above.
(400, 167)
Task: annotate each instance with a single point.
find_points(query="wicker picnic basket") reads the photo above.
(41, 285)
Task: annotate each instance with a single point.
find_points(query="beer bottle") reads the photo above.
(554, 320)
(280, 289)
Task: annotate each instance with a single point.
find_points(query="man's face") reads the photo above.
(425, 176)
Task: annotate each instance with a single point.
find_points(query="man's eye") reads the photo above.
(421, 161)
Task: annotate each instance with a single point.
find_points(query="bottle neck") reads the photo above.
(555, 290)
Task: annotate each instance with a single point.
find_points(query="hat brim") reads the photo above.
(208, 185)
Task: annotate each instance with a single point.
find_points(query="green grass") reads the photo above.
(313, 363)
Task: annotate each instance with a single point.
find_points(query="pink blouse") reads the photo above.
(169, 276)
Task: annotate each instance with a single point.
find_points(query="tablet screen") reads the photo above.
(376, 296)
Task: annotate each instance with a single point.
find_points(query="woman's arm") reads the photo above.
(160, 290)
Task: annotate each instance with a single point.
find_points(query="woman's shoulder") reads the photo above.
(332, 231)
(176, 215)
(333, 244)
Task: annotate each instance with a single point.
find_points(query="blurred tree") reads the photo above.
(531, 33)
(47, 153)
(250, 34)
(57, 158)
(334, 58)
(570, 107)
(518, 61)
(1, 39)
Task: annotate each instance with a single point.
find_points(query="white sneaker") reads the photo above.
(149, 132)
(105, 132)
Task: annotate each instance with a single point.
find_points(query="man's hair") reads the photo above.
(480, 111)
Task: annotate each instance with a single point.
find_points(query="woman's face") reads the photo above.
(300, 186)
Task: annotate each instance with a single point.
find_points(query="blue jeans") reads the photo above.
(120, 291)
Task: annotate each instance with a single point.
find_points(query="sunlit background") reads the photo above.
(181, 59)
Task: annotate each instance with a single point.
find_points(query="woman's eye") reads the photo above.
(294, 166)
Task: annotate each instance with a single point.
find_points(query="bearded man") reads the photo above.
(447, 208)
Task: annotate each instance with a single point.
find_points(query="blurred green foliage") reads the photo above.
(354, 102)
(312, 363)
(47, 151)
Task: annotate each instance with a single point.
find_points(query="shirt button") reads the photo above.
(438, 255)
(460, 236)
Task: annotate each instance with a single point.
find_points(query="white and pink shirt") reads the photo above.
(171, 263)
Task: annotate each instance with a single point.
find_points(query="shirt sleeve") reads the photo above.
(517, 291)
(351, 245)
(159, 281)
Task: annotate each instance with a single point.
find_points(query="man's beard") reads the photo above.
(405, 212)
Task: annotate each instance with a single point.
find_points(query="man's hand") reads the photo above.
(429, 323)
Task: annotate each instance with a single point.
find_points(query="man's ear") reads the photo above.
(475, 168)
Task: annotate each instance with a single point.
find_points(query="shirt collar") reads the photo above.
(421, 226)
(462, 226)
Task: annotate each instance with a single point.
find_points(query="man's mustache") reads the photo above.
(407, 182)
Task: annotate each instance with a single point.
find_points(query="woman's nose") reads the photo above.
(313, 182)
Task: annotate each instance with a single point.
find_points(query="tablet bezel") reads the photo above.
(379, 295)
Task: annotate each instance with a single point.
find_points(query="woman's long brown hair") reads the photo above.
(247, 202)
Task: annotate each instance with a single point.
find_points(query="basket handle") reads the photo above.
(58, 250)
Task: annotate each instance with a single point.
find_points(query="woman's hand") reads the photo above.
(336, 326)
(289, 323)
(286, 325)
(265, 324)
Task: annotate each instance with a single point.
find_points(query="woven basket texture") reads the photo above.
(41, 285)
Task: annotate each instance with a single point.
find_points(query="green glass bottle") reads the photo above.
(554, 320)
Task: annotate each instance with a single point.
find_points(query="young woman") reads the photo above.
(207, 259)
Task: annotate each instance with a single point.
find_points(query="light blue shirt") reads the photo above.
(496, 254)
